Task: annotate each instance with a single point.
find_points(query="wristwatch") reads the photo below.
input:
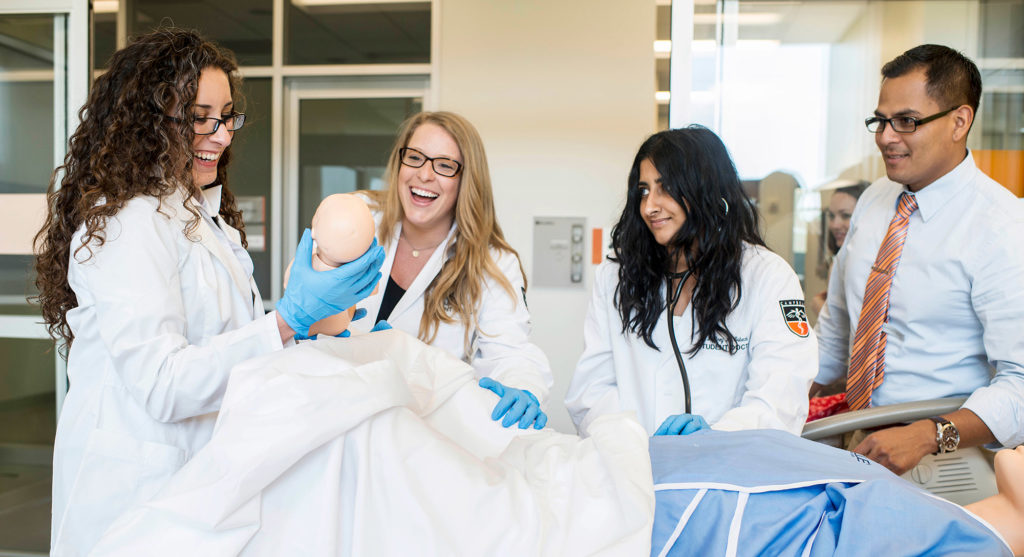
(947, 436)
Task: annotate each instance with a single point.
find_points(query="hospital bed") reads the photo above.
(962, 477)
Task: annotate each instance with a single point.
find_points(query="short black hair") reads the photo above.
(953, 79)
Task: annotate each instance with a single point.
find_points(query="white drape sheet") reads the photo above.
(381, 445)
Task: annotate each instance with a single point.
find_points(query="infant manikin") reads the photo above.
(342, 231)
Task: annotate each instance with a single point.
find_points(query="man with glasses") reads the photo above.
(926, 299)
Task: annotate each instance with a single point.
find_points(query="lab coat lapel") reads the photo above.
(236, 237)
(414, 295)
(204, 234)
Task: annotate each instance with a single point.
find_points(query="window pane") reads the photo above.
(244, 26)
(26, 135)
(1002, 119)
(344, 145)
(1001, 24)
(662, 83)
(104, 38)
(249, 176)
(27, 42)
(349, 33)
(1002, 103)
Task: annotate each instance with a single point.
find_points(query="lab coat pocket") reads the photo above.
(117, 473)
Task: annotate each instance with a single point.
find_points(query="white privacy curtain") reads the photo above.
(381, 445)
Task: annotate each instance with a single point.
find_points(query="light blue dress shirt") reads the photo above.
(956, 315)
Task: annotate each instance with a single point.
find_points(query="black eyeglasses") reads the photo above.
(902, 124)
(208, 125)
(442, 165)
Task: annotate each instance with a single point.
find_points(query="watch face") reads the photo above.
(950, 438)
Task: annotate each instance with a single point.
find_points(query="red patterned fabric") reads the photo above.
(825, 406)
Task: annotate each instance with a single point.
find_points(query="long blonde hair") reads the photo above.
(455, 293)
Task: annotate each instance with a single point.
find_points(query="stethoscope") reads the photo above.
(673, 300)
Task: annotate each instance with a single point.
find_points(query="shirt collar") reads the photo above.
(933, 197)
(210, 200)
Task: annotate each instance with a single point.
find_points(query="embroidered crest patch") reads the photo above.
(795, 315)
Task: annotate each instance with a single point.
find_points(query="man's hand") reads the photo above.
(900, 448)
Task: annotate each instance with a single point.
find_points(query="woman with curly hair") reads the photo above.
(144, 277)
(453, 280)
(693, 320)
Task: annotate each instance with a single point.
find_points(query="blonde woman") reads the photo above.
(452, 279)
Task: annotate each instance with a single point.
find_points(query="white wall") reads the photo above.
(563, 94)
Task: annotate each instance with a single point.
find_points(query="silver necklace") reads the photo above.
(416, 251)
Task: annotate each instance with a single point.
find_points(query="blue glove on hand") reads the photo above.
(358, 314)
(517, 405)
(381, 325)
(682, 424)
(312, 295)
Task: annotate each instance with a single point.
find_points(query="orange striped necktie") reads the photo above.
(867, 360)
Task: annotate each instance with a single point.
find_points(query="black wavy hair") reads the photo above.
(697, 172)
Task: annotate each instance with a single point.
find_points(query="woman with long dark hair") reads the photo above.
(739, 353)
(144, 278)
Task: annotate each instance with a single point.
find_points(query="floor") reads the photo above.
(26, 452)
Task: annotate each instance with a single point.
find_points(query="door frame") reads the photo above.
(285, 192)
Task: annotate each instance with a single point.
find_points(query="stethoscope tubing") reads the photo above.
(673, 300)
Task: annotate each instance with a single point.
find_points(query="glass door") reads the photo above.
(38, 84)
(338, 134)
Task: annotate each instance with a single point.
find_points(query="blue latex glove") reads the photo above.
(313, 295)
(682, 424)
(517, 405)
(381, 325)
(356, 316)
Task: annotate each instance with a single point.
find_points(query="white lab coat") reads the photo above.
(161, 320)
(763, 385)
(500, 347)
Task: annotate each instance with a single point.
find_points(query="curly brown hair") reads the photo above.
(125, 147)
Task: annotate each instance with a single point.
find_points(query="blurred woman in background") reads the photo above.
(836, 224)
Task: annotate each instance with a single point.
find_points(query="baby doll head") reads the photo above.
(342, 229)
